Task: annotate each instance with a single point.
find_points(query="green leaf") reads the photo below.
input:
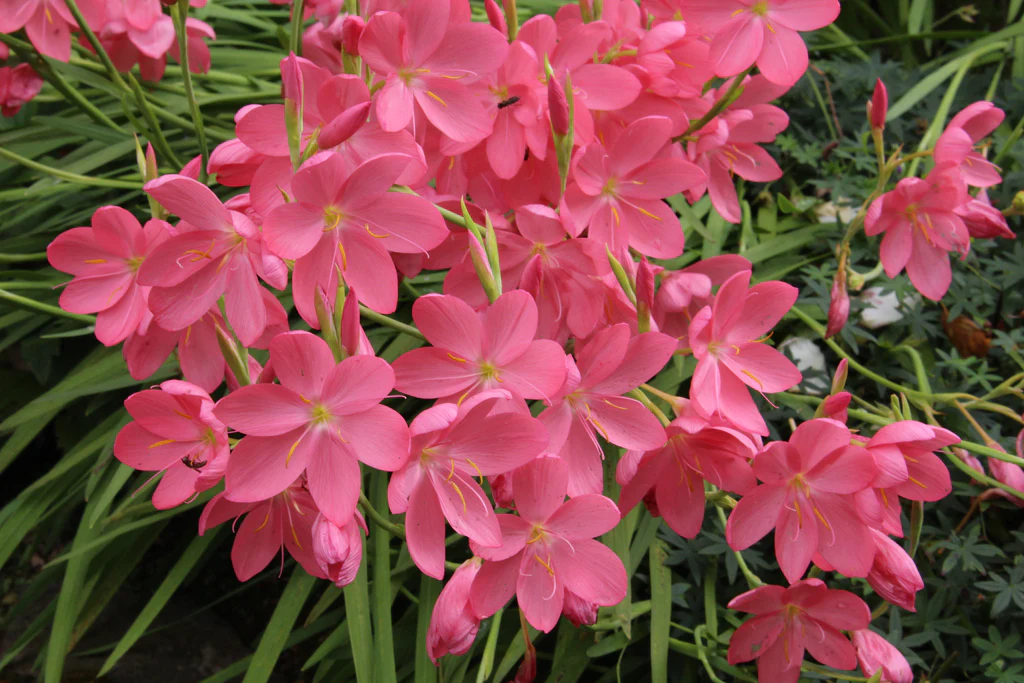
(430, 588)
(661, 611)
(357, 611)
(570, 660)
(193, 553)
(280, 626)
(384, 650)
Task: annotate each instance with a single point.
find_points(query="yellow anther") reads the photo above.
(752, 376)
(344, 258)
(478, 472)
(291, 451)
(461, 497)
(917, 483)
(265, 520)
(546, 565)
(295, 537)
(181, 414)
(161, 443)
(200, 255)
(332, 218)
(765, 338)
(615, 213)
(604, 400)
(457, 359)
(304, 399)
(648, 213)
(799, 515)
(817, 513)
(432, 95)
(373, 234)
(188, 334)
(96, 260)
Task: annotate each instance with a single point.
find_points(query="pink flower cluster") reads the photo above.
(131, 31)
(567, 139)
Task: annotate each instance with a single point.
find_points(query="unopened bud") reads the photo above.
(839, 306)
(338, 550)
(478, 254)
(148, 170)
(878, 107)
(1018, 202)
(496, 17)
(291, 84)
(839, 379)
(351, 31)
(343, 126)
(558, 107)
(325, 320)
(644, 295)
(620, 275)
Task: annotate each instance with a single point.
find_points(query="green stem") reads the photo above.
(385, 321)
(23, 258)
(180, 13)
(815, 669)
(97, 46)
(753, 580)
(379, 519)
(69, 177)
(1010, 141)
(295, 44)
(642, 397)
(147, 113)
(383, 639)
(33, 305)
(725, 100)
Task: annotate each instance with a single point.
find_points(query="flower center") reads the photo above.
(134, 263)
(489, 372)
(610, 186)
(332, 218)
(760, 8)
(321, 414)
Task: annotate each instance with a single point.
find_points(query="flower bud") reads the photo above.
(343, 126)
(453, 625)
(839, 379)
(983, 220)
(644, 295)
(1018, 202)
(353, 338)
(878, 107)
(577, 610)
(338, 550)
(291, 84)
(839, 306)
(496, 17)
(834, 406)
(875, 653)
(351, 31)
(1007, 473)
(894, 575)
(558, 107)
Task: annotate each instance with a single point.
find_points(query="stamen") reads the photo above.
(613, 405)
(432, 95)
(478, 472)
(546, 565)
(344, 258)
(200, 255)
(96, 260)
(457, 359)
(178, 412)
(291, 451)
(161, 443)
(265, 520)
(752, 376)
(916, 482)
(373, 234)
(615, 213)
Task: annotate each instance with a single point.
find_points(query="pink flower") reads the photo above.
(217, 252)
(283, 521)
(549, 549)
(893, 575)
(727, 340)
(174, 433)
(423, 57)
(675, 473)
(835, 406)
(471, 354)
(683, 293)
(137, 33)
(908, 466)
(453, 625)
(323, 418)
(18, 86)
(618, 190)
(764, 32)
(786, 621)
(48, 23)
(338, 549)
(106, 260)
(806, 496)
(450, 446)
(921, 226)
(344, 224)
(983, 220)
(875, 653)
(957, 145)
(610, 364)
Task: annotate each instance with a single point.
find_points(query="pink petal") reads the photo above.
(637, 146)
(474, 48)
(449, 323)
(257, 541)
(263, 410)
(680, 499)
(846, 543)
(142, 450)
(302, 362)
(762, 600)
(737, 44)
(454, 109)
(394, 106)
(847, 469)
(604, 87)
(494, 585)
(243, 302)
(763, 307)
(431, 373)
(176, 486)
(191, 201)
(114, 324)
(368, 268)
(648, 473)
(261, 467)
(830, 647)
(356, 384)
(626, 422)
(752, 638)
(181, 257)
(424, 525)
(754, 516)
(403, 223)
(586, 516)
(805, 15)
(508, 327)
(538, 373)
(590, 570)
(583, 456)
(929, 269)
(292, 230)
(467, 508)
(653, 228)
(927, 479)
(371, 179)
(539, 593)
(762, 368)
(92, 294)
(506, 146)
(646, 355)
(539, 488)
(797, 537)
(333, 477)
(661, 178)
(378, 437)
(783, 59)
(498, 444)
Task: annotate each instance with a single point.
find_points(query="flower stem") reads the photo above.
(69, 177)
(97, 46)
(384, 320)
(33, 305)
(295, 44)
(180, 13)
(159, 141)
(724, 101)
(378, 519)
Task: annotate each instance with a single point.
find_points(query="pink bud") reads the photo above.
(645, 283)
(878, 107)
(1007, 473)
(876, 653)
(894, 575)
(353, 338)
(453, 625)
(344, 125)
(192, 168)
(351, 30)
(835, 406)
(151, 171)
(839, 306)
(338, 550)
(983, 220)
(558, 107)
(501, 488)
(839, 378)
(969, 459)
(577, 610)
(291, 78)
(496, 16)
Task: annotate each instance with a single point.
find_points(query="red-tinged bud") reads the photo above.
(839, 306)
(1007, 473)
(343, 126)
(839, 379)
(338, 550)
(501, 489)
(894, 575)
(835, 406)
(256, 371)
(878, 107)
(577, 610)
(193, 167)
(558, 107)
(453, 626)
(496, 17)
(351, 31)
(875, 653)
(983, 220)
(151, 170)
(353, 338)
(291, 78)
(970, 460)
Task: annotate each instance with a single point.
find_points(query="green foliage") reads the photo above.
(77, 532)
